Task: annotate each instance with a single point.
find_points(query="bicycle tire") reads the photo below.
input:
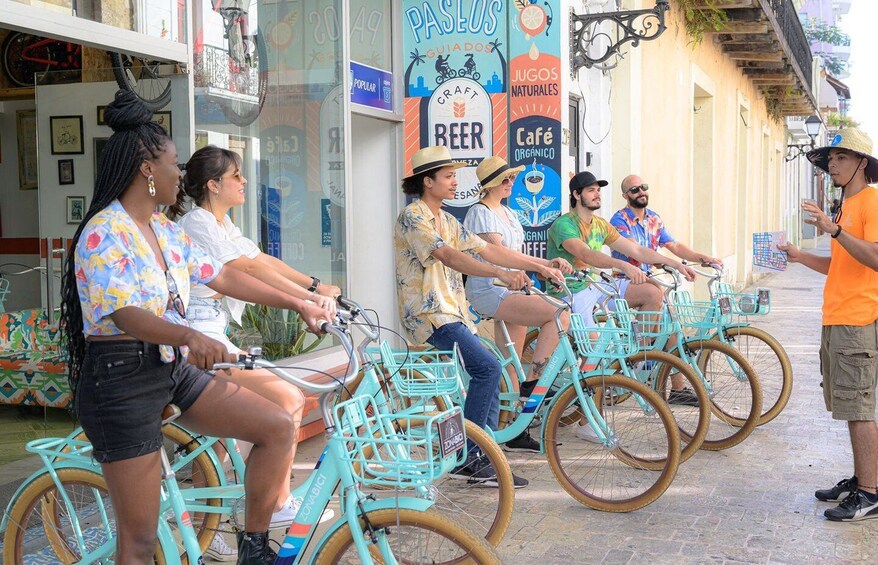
(200, 473)
(732, 424)
(400, 523)
(14, 66)
(135, 74)
(242, 114)
(486, 511)
(692, 422)
(627, 479)
(772, 366)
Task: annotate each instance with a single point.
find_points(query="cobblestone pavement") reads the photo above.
(752, 503)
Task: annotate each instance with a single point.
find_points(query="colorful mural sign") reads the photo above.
(483, 78)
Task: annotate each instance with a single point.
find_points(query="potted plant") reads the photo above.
(280, 333)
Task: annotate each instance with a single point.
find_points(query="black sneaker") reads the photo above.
(839, 492)
(480, 472)
(522, 443)
(853, 508)
(683, 397)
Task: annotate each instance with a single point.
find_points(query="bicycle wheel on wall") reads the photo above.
(772, 365)
(144, 78)
(414, 537)
(252, 79)
(642, 459)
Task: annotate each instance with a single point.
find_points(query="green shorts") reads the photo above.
(849, 364)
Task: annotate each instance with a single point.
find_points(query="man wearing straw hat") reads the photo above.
(849, 341)
(432, 250)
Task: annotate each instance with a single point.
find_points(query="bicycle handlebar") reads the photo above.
(717, 268)
(678, 279)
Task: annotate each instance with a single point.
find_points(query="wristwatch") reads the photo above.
(837, 233)
(315, 282)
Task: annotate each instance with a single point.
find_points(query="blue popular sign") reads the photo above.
(371, 87)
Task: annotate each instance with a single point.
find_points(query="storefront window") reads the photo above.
(163, 19)
(371, 27)
(272, 91)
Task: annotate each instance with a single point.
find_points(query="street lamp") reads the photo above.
(632, 27)
(812, 128)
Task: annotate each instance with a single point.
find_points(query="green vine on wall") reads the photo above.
(702, 16)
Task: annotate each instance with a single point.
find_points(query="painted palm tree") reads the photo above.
(495, 47)
(417, 59)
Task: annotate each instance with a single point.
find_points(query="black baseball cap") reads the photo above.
(584, 179)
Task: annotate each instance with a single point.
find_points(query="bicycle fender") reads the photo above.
(407, 503)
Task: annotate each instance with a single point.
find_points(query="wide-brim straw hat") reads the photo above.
(852, 139)
(492, 170)
(430, 158)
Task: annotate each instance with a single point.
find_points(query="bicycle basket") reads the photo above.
(614, 340)
(399, 451)
(424, 374)
(653, 323)
(700, 315)
(746, 303)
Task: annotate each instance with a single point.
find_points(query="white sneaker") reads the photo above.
(287, 514)
(586, 433)
(219, 550)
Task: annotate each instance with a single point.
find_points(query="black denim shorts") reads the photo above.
(121, 392)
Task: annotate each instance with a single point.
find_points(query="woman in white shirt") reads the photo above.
(213, 181)
(498, 224)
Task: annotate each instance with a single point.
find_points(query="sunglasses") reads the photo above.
(636, 189)
(174, 300)
(509, 179)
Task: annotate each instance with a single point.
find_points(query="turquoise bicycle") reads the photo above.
(64, 513)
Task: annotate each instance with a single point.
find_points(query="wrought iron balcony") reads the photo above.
(766, 39)
(217, 72)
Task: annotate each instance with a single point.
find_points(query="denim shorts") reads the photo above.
(210, 317)
(121, 392)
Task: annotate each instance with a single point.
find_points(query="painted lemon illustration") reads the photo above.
(532, 20)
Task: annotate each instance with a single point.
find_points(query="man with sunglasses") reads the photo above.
(644, 226)
(849, 339)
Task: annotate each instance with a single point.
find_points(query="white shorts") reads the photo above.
(210, 317)
(585, 300)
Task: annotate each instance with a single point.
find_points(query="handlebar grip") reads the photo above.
(323, 325)
(346, 303)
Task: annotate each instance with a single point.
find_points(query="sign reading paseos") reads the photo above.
(460, 117)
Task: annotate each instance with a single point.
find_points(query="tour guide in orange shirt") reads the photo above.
(849, 343)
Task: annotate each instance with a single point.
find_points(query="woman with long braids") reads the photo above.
(213, 181)
(124, 291)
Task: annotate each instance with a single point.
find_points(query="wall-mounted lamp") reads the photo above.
(812, 128)
(632, 27)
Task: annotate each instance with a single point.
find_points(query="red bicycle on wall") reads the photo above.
(26, 55)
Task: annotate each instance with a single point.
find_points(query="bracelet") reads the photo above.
(315, 282)
(836, 234)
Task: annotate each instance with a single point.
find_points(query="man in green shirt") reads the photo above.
(580, 235)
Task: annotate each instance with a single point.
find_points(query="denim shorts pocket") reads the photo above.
(112, 367)
(857, 369)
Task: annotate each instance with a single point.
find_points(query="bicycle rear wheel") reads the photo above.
(414, 537)
(40, 527)
(19, 71)
(734, 390)
(251, 81)
(642, 459)
(772, 365)
(143, 78)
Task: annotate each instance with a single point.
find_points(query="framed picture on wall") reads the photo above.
(26, 130)
(66, 135)
(163, 119)
(101, 121)
(99, 144)
(65, 171)
(75, 209)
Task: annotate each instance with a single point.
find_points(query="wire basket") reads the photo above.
(401, 452)
(653, 324)
(697, 314)
(616, 339)
(745, 303)
(424, 374)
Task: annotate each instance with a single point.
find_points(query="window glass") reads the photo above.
(371, 26)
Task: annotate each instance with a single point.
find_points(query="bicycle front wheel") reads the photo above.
(734, 390)
(413, 537)
(643, 454)
(40, 527)
(772, 365)
(143, 78)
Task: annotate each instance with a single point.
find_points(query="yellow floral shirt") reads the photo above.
(429, 294)
(115, 267)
